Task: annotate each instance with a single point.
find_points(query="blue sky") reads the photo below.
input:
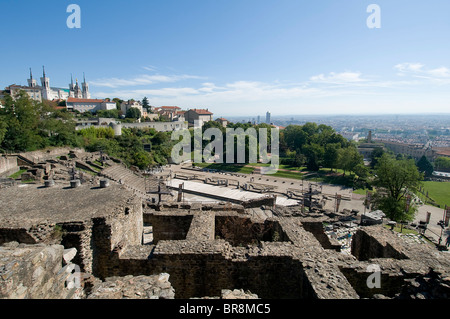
(241, 57)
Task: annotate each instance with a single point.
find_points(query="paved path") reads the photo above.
(437, 214)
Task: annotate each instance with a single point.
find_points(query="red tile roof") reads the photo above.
(171, 107)
(201, 111)
(444, 151)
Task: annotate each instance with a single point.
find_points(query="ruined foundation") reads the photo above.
(206, 249)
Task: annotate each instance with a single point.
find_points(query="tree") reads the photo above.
(118, 102)
(145, 103)
(22, 117)
(395, 180)
(331, 155)
(314, 154)
(425, 166)
(349, 159)
(133, 113)
(375, 155)
(3, 128)
(442, 163)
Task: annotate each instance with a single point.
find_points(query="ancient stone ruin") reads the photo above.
(127, 246)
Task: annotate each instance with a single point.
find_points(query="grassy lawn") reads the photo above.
(360, 191)
(438, 191)
(398, 229)
(284, 174)
(17, 174)
(236, 168)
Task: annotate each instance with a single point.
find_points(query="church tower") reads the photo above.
(86, 94)
(45, 83)
(32, 83)
(77, 91)
(71, 87)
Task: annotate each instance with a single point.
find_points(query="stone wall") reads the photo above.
(258, 202)
(205, 268)
(20, 235)
(35, 272)
(316, 228)
(8, 165)
(241, 230)
(130, 287)
(168, 226)
(365, 247)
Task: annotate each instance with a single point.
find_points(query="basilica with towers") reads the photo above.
(46, 92)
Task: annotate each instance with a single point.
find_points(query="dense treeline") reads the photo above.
(319, 146)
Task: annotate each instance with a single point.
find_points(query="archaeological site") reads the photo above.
(78, 225)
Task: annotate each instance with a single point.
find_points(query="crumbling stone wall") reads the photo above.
(365, 247)
(316, 228)
(240, 230)
(35, 272)
(129, 287)
(168, 226)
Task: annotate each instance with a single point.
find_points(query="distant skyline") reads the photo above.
(239, 58)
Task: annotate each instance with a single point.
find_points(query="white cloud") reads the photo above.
(441, 72)
(408, 67)
(338, 78)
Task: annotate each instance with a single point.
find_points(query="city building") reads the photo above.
(169, 112)
(222, 121)
(415, 151)
(89, 105)
(442, 151)
(268, 118)
(179, 116)
(350, 136)
(126, 105)
(200, 115)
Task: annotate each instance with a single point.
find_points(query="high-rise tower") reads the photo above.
(268, 117)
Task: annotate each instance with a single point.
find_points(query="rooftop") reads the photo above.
(201, 111)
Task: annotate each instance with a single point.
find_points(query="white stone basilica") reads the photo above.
(46, 92)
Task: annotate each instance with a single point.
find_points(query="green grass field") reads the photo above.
(438, 191)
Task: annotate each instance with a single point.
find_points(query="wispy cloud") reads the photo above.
(150, 68)
(440, 75)
(142, 80)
